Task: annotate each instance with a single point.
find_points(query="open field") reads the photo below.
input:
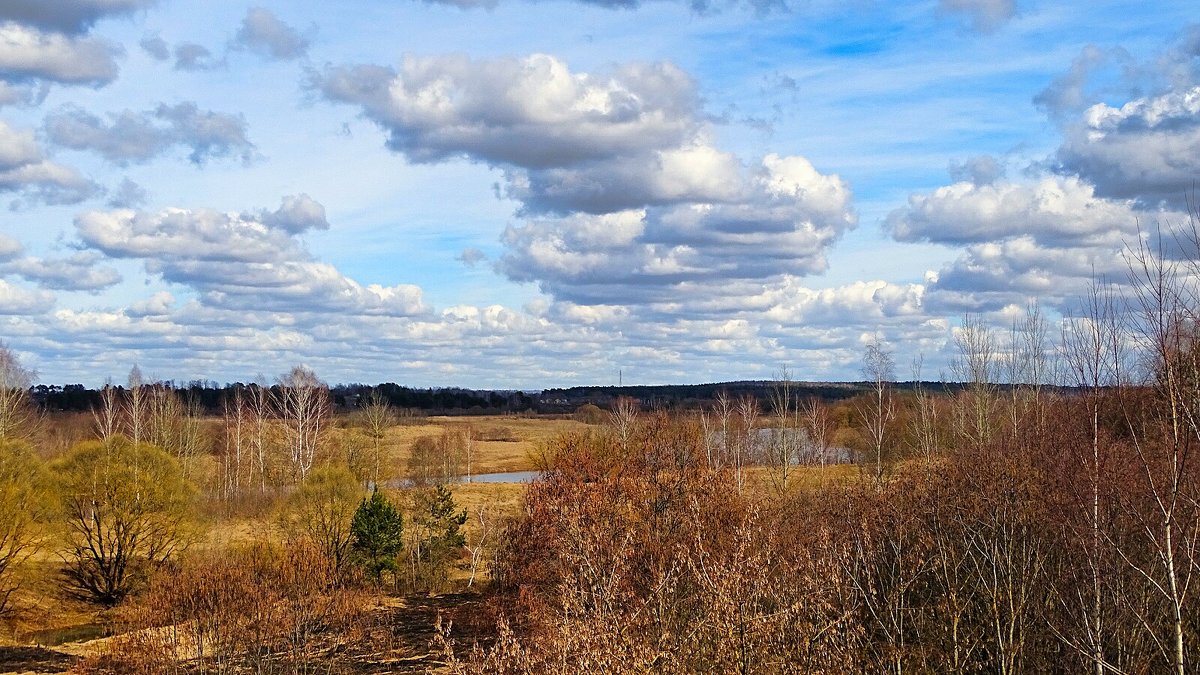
(47, 630)
(502, 444)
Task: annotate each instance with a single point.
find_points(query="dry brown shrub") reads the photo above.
(497, 434)
(259, 610)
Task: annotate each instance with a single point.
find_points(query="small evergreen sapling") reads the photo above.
(377, 533)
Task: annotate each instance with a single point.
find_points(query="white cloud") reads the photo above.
(261, 31)
(1053, 211)
(1148, 149)
(156, 47)
(24, 171)
(15, 300)
(27, 53)
(131, 136)
(530, 112)
(296, 214)
(159, 304)
(784, 219)
(68, 16)
(242, 261)
(195, 57)
(78, 272)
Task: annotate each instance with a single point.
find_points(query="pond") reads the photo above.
(501, 477)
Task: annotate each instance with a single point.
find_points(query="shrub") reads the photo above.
(124, 510)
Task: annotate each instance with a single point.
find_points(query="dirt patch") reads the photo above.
(33, 660)
(410, 627)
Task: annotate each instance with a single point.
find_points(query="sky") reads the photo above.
(522, 194)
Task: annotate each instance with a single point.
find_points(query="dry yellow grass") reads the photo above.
(489, 456)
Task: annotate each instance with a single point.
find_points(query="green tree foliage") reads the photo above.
(21, 483)
(321, 509)
(439, 539)
(377, 533)
(124, 510)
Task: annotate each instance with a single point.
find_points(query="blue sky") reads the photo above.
(524, 194)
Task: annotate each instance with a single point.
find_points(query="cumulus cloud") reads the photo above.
(241, 261)
(1045, 238)
(9, 248)
(68, 16)
(192, 56)
(623, 198)
(693, 173)
(261, 31)
(128, 195)
(156, 47)
(131, 136)
(159, 304)
(990, 276)
(1068, 93)
(530, 112)
(984, 15)
(28, 94)
(25, 172)
(979, 170)
(27, 53)
(78, 272)
(15, 300)
(471, 256)
(297, 214)
(856, 307)
(787, 217)
(1147, 149)
(1053, 211)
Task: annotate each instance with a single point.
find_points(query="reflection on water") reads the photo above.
(509, 477)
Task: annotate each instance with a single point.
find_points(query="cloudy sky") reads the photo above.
(534, 193)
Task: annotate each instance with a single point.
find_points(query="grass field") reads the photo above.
(48, 627)
(522, 438)
(44, 617)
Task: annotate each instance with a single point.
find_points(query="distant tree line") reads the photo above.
(210, 397)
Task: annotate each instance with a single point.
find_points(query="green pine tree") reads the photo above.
(377, 532)
(440, 522)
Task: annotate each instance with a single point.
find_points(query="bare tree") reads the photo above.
(378, 416)
(137, 407)
(879, 410)
(16, 414)
(818, 430)
(925, 433)
(717, 428)
(125, 510)
(174, 424)
(746, 442)
(1166, 299)
(1034, 353)
(261, 440)
(235, 413)
(468, 441)
(623, 417)
(976, 367)
(487, 524)
(303, 407)
(1093, 347)
(108, 416)
(786, 430)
